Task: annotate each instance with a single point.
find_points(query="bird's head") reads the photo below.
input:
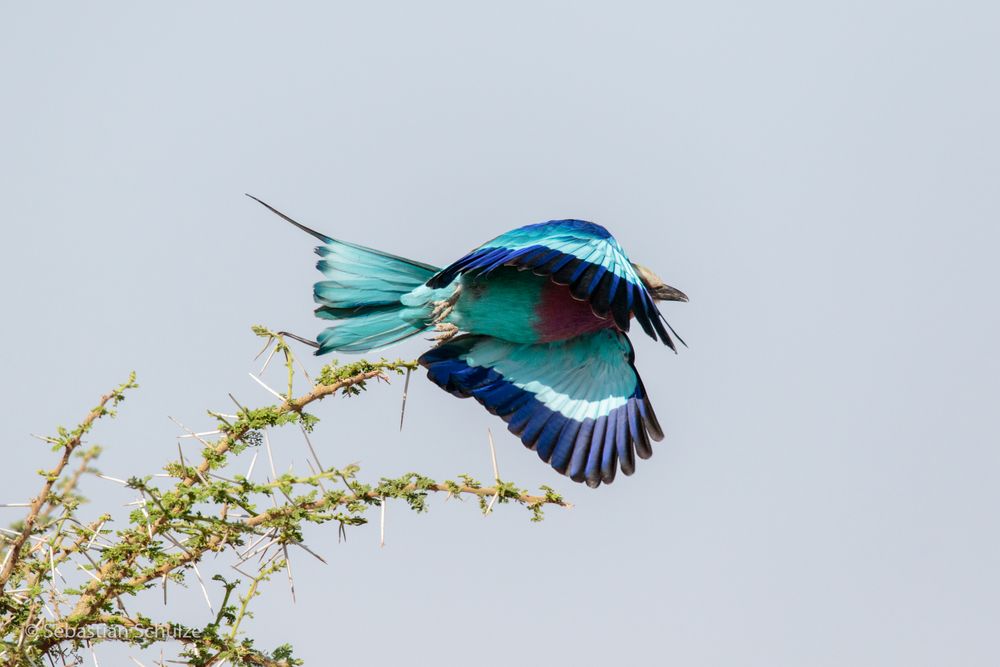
(659, 290)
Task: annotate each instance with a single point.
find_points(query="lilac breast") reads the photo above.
(559, 315)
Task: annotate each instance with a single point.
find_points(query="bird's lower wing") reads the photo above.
(580, 403)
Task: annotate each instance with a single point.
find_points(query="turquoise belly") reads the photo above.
(502, 305)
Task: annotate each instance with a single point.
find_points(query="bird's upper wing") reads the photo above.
(580, 254)
(579, 403)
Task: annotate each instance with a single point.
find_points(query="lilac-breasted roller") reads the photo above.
(531, 324)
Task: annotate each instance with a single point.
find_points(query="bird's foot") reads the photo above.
(442, 309)
(446, 330)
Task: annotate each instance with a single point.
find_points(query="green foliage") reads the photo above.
(65, 581)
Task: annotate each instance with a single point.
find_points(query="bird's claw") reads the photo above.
(442, 309)
(447, 332)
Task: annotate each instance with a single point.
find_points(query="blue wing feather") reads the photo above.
(623, 443)
(579, 403)
(575, 253)
(583, 446)
(547, 439)
(534, 428)
(638, 432)
(519, 419)
(593, 469)
(566, 443)
(609, 456)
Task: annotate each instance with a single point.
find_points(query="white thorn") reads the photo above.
(52, 566)
(199, 435)
(244, 556)
(262, 384)
(112, 479)
(304, 371)
(191, 433)
(270, 456)
(203, 589)
(406, 388)
(288, 568)
(97, 534)
(7, 557)
(253, 462)
(310, 551)
(268, 360)
(91, 574)
(149, 526)
(381, 526)
(496, 473)
(493, 455)
(315, 473)
(312, 450)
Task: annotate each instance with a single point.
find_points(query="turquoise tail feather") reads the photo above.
(375, 299)
(365, 292)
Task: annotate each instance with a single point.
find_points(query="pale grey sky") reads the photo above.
(820, 178)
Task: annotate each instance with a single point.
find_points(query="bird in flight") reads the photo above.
(531, 324)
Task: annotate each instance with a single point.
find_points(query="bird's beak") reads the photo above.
(658, 289)
(667, 293)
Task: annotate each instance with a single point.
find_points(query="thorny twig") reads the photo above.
(172, 529)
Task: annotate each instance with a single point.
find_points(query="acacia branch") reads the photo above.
(276, 514)
(204, 511)
(92, 596)
(69, 444)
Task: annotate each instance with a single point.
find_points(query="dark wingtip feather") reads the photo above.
(534, 427)
(619, 304)
(609, 453)
(583, 287)
(623, 443)
(551, 262)
(563, 269)
(647, 413)
(593, 470)
(566, 445)
(609, 464)
(582, 446)
(601, 298)
(679, 339)
(637, 431)
(530, 258)
(642, 317)
(657, 320)
(548, 438)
